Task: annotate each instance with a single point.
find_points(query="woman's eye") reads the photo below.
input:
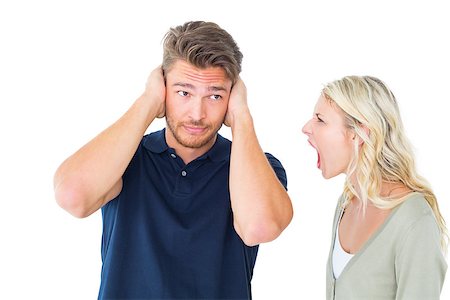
(183, 93)
(318, 118)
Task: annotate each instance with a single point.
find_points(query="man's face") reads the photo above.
(196, 105)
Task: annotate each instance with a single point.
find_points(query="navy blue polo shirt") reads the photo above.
(169, 233)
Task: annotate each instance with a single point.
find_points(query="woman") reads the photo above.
(388, 234)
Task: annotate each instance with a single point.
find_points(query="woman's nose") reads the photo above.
(307, 128)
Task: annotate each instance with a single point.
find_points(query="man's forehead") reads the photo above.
(184, 72)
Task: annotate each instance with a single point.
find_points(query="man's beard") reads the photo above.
(192, 141)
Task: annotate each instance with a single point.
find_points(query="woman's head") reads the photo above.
(370, 133)
(332, 138)
(357, 130)
(381, 150)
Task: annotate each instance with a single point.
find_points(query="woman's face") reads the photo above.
(330, 137)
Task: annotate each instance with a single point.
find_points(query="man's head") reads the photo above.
(203, 45)
(201, 63)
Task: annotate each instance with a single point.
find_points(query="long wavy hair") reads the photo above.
(382, 153)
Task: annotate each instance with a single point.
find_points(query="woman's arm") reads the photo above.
(420, 265)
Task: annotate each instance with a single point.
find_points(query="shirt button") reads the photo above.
(173, 155)
(183, 173)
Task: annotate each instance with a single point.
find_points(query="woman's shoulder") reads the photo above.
(417, 231)
(413, 209)
(414, 206)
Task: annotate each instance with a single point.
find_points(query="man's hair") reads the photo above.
(204, 45)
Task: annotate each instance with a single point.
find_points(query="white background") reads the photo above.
(68, 69)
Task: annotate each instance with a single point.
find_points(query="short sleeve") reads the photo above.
(420, 266)
(278, 168)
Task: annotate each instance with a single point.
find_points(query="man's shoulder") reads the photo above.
(275, 162)
(278, 168)
(155, 135)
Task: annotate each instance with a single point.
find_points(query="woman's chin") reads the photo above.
(328, 175)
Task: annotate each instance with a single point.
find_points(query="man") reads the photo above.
(183, 208)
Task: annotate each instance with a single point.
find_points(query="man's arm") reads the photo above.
(261, 206)
(92, 176)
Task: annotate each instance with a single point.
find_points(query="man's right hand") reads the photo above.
(92, 176)
(155, 90)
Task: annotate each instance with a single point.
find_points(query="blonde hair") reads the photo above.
(382, 152)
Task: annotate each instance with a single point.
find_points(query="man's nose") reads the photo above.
(197, 109)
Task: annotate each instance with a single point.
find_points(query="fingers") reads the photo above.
(237, 105)
(155, 90)
(156, 73)
(238, 96)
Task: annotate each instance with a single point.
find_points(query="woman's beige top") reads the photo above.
(401, 260)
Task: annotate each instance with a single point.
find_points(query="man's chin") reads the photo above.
(193, 140)
(196, 142)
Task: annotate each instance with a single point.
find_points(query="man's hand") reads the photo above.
(237, 105)
(155, 91)
(92, 176)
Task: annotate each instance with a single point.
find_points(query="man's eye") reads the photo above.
(215, 97)
(183, 93)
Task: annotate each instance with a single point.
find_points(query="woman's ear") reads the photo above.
(366, 131)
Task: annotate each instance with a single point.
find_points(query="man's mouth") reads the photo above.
(195, 130)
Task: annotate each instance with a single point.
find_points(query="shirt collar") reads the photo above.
(221, 149)
(156, 143)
